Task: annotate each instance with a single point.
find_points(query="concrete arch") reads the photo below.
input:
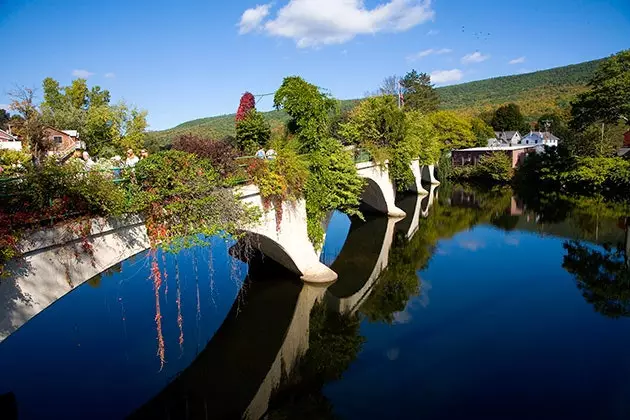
(412, 205)
(428, 201)
(257, 344)
(379, 192)
(360, 263)
(287, 242)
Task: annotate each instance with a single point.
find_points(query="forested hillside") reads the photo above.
(546, 91)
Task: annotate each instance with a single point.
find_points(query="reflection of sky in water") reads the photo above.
(97, 346)
(506, 332)
(336, 235)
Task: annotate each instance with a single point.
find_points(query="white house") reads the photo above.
(508, 138)
(9, 141)
(540, 138)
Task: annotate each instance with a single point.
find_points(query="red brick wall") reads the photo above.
(626, 139)
(66, 140)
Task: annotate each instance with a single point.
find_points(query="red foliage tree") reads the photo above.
(219, 152)
(248, 102)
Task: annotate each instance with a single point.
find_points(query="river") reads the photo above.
(475, 306)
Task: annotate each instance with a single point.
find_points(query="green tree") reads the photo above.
(453, 131)
(252, 132)
(308, 108)
(4, 119)
(98, 97)
(508, 118)
(608, 99)
(419, 92)
(597, 140)
(77, 93)
(482, 131)
(422, 136)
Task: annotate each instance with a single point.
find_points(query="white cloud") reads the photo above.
(472, 245)
(252, 18)
(312, 23)
(475, 57)
(519, 60)
(83, 74)
(433, 32)
(426, 53)
(446, 76)
(110, 75)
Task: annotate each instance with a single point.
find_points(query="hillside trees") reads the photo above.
(608, 99)
(509, 118)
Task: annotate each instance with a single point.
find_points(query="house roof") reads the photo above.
(4, 136)
(507, 135)
(71, 133)
(497, 148)
(546, 135)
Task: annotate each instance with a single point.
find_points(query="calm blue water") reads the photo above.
(474, 321)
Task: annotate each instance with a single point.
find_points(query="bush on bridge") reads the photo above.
(333, 182)
(184, 200)
(220, 153)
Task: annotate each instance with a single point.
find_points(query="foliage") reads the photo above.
(547, 91)
(602, 276)
(333, 184)
(378, 125)
(30, 125)
(248, 102)
(557, 170)
(252, 133)
(453, 131)
(13, 162)
(281, 179)
(608, 97)
(509, 118)
(106, 129)
(494, 168)
(601, 140)
(4, 119)
(220, 153)
(422, 136)
(419, 93)
(181, 197)
(482, 131)
(308, 109)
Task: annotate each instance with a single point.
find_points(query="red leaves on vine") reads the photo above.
(157, 283)
(248, 102)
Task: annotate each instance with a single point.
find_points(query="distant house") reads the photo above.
(540, 138)
(472, 155)
(508, 138)
(64, 142)
(9, 141)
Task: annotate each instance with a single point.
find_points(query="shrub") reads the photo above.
(13, 162)
(496, 167)
(252, 132)
(219, 152)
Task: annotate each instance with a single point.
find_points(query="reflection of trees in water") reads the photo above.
(398, 283)
(334, 343)
(603, 277)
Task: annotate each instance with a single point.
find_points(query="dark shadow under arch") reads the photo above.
(227, 374)
(359, 255)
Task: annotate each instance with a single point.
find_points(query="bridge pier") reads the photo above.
(379, 192)
(286, 242)
(428, 174)
(416, 169)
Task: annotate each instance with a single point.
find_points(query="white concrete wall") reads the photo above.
(289, 245)
(379, 192)
(54, 263)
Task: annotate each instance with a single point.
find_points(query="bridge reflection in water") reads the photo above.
(266, 331)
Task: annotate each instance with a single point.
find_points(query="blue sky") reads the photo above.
(194, 58)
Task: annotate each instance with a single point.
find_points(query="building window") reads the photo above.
(57, 139)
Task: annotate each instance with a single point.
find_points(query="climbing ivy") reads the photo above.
(333, 182)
